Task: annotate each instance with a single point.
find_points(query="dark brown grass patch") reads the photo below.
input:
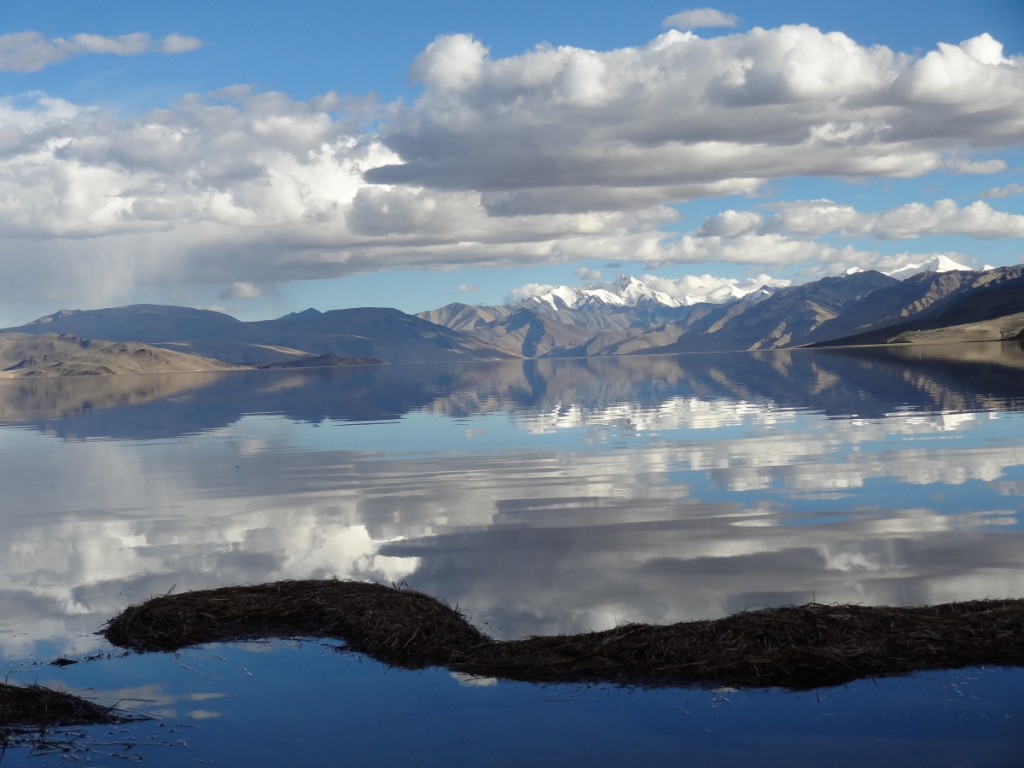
(795, 647)
(35, 708)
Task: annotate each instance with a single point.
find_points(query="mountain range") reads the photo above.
(620, 318)
(627, 317)
(369, 332)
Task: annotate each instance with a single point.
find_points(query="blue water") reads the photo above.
(292, 704)
(541, 497)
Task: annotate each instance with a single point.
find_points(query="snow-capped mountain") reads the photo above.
(631, 292)
(723, 294)
(938, 263)
(624, 292)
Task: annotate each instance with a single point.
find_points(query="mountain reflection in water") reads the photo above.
(541, 496)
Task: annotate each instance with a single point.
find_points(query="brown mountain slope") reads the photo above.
(917, 298)
(528, 334)
(991, 312)
(1000, 329)
(25, 355)
(463, 317)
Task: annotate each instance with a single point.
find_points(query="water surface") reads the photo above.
(541, 497)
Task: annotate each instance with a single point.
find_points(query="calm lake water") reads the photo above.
(541, 497)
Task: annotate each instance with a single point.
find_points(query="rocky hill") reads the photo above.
(25, 355)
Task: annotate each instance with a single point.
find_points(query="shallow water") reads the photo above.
(541, 497)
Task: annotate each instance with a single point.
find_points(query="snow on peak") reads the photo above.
(626, 291)
(635, 291)
(937, 263)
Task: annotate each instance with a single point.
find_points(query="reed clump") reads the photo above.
(35, 707)
(794, 647)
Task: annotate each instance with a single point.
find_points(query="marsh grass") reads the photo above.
(793, 647)
(29, 713)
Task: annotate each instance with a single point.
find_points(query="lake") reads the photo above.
(541, 497)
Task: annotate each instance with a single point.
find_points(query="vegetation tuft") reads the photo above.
(794, 647)
(26, 708)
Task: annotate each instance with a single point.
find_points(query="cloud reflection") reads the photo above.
(635, 492)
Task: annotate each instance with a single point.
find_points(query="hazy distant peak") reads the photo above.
(55, 316)
(311, 312)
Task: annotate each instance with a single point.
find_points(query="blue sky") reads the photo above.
(389, 153)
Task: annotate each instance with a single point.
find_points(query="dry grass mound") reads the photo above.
(397, 624)
(35, 707)
(795, 647)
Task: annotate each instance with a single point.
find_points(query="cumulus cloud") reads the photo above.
(1008, 191)
(813, 258)
(467, 288)
(701, 17)
(815, 218)
(526, 291)
(962, 165)
(241, 291)
(556, 156)
(31, 51)
(175, 43)
(245, 187)
(683, 117)
(588, 274)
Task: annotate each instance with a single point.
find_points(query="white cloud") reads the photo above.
(524, 292)
(175, 43)
(731, 224)
(182, 297)
(815, 218)
(701, 17)
(1008, 191)
(31, 51)
(245, 187)
(556, 156)
(945, 218)
(466, 288)
(241, 291)
(588, 274)
(125, 45)
(815, 259)
(683, 117)
(451, 62)
(962, 165)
